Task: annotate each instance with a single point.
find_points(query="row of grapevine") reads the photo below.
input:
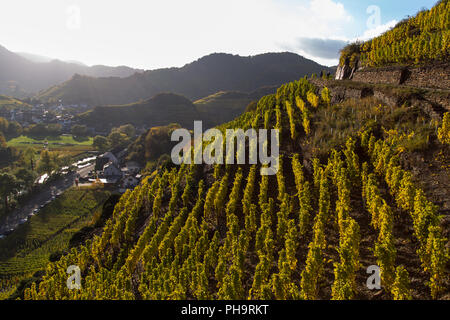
(409, 197)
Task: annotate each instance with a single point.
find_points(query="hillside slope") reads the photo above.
(345, 186)
(10, 103)
(20, 77)
(162, 109)
(225, 106)
(363, 181)
(206, 76)
(421, 40)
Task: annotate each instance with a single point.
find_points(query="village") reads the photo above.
(112, 171)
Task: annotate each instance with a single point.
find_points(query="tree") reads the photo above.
(3, 144)
(54, 129)
(8, 186)
(28, 157)
(4, 125)
(14, 129)
(46, 164)
(100, 143)
(79, 130)
(127, 129)
(38, 130)
(116, 139)
(25, 177)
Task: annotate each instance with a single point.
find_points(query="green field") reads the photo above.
(62, 140)
(28, 249)
(64, 144)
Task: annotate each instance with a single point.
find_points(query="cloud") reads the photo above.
(321, 48)
(154, 34)
(325, 50)
(375, 32)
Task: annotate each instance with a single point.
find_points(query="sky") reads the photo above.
(150, 34)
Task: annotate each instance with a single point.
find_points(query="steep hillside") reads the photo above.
(348, 194)
(10, 103)
(363, 180)
(206, 76)
(20, 77)
(224, 106)
(420, 40)
(162, 109)
(409, 64)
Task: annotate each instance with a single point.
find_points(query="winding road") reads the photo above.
(40, 199)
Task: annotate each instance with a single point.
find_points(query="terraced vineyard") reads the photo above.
(341, 201)
(28, 249)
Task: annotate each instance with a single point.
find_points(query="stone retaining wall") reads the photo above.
(434, 76)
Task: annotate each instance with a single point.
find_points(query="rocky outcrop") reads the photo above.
(345, 71)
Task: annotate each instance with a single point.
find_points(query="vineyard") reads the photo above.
(29, 248)
(341, 201)
(419, 39)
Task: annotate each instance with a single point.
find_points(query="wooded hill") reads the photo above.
(164, 109)
(206, 76)
(160, 110)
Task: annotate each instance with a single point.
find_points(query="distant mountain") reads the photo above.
(206, 76)
(162, 109)
(34, 57)
(22, 73)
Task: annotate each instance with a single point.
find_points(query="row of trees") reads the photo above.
(117, 137)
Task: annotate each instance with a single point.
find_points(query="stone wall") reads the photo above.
(429, 77)
(384, 76)
(439, 99)
(433, 76)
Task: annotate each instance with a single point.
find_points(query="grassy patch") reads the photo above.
(58, 141)
(66, 145)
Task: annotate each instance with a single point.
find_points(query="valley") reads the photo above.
(353, 202)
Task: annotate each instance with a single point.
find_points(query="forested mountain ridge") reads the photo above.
(206, 76)
(22, 77)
